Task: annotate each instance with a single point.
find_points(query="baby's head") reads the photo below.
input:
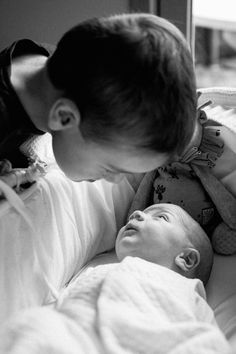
(167, 235)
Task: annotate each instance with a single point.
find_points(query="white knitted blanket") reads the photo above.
(129, 307)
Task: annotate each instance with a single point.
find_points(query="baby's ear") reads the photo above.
(188, 259)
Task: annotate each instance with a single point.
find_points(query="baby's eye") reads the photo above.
(163, 217)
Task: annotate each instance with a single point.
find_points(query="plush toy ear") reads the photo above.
(142, 197)
(224, 236)
(224, 239)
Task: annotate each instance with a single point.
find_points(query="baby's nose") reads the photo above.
(138, 215)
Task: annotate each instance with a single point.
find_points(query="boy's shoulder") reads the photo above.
(15, 124)
(24, 47)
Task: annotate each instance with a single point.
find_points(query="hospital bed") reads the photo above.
(51, 230)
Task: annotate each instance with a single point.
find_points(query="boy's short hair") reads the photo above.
(130, 76)
(201, 242)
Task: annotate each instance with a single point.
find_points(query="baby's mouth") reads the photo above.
(130, 228)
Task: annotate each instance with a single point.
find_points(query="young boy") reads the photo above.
(144, 304)
(103, 95)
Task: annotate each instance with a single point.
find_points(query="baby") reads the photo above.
(134, 301)
(167, 235)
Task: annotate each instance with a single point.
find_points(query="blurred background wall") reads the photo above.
(47, 20)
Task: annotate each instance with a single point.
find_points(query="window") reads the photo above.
(209, 27)
(214, 26)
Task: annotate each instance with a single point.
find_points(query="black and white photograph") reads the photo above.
(118, 177)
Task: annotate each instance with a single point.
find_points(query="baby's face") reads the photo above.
(156, 234)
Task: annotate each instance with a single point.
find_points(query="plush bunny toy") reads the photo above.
(190, 183)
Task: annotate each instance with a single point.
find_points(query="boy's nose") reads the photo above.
(138, 215)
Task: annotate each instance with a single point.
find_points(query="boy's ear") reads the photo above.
(188, 259)
(64, 114)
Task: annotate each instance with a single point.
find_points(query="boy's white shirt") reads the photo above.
(65, 224)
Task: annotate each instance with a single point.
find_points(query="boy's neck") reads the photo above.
(30, 81)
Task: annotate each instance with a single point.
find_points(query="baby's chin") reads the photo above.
(120, 254)
(117, 250)
(118, 238)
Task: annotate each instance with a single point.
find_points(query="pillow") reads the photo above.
(221, 295)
